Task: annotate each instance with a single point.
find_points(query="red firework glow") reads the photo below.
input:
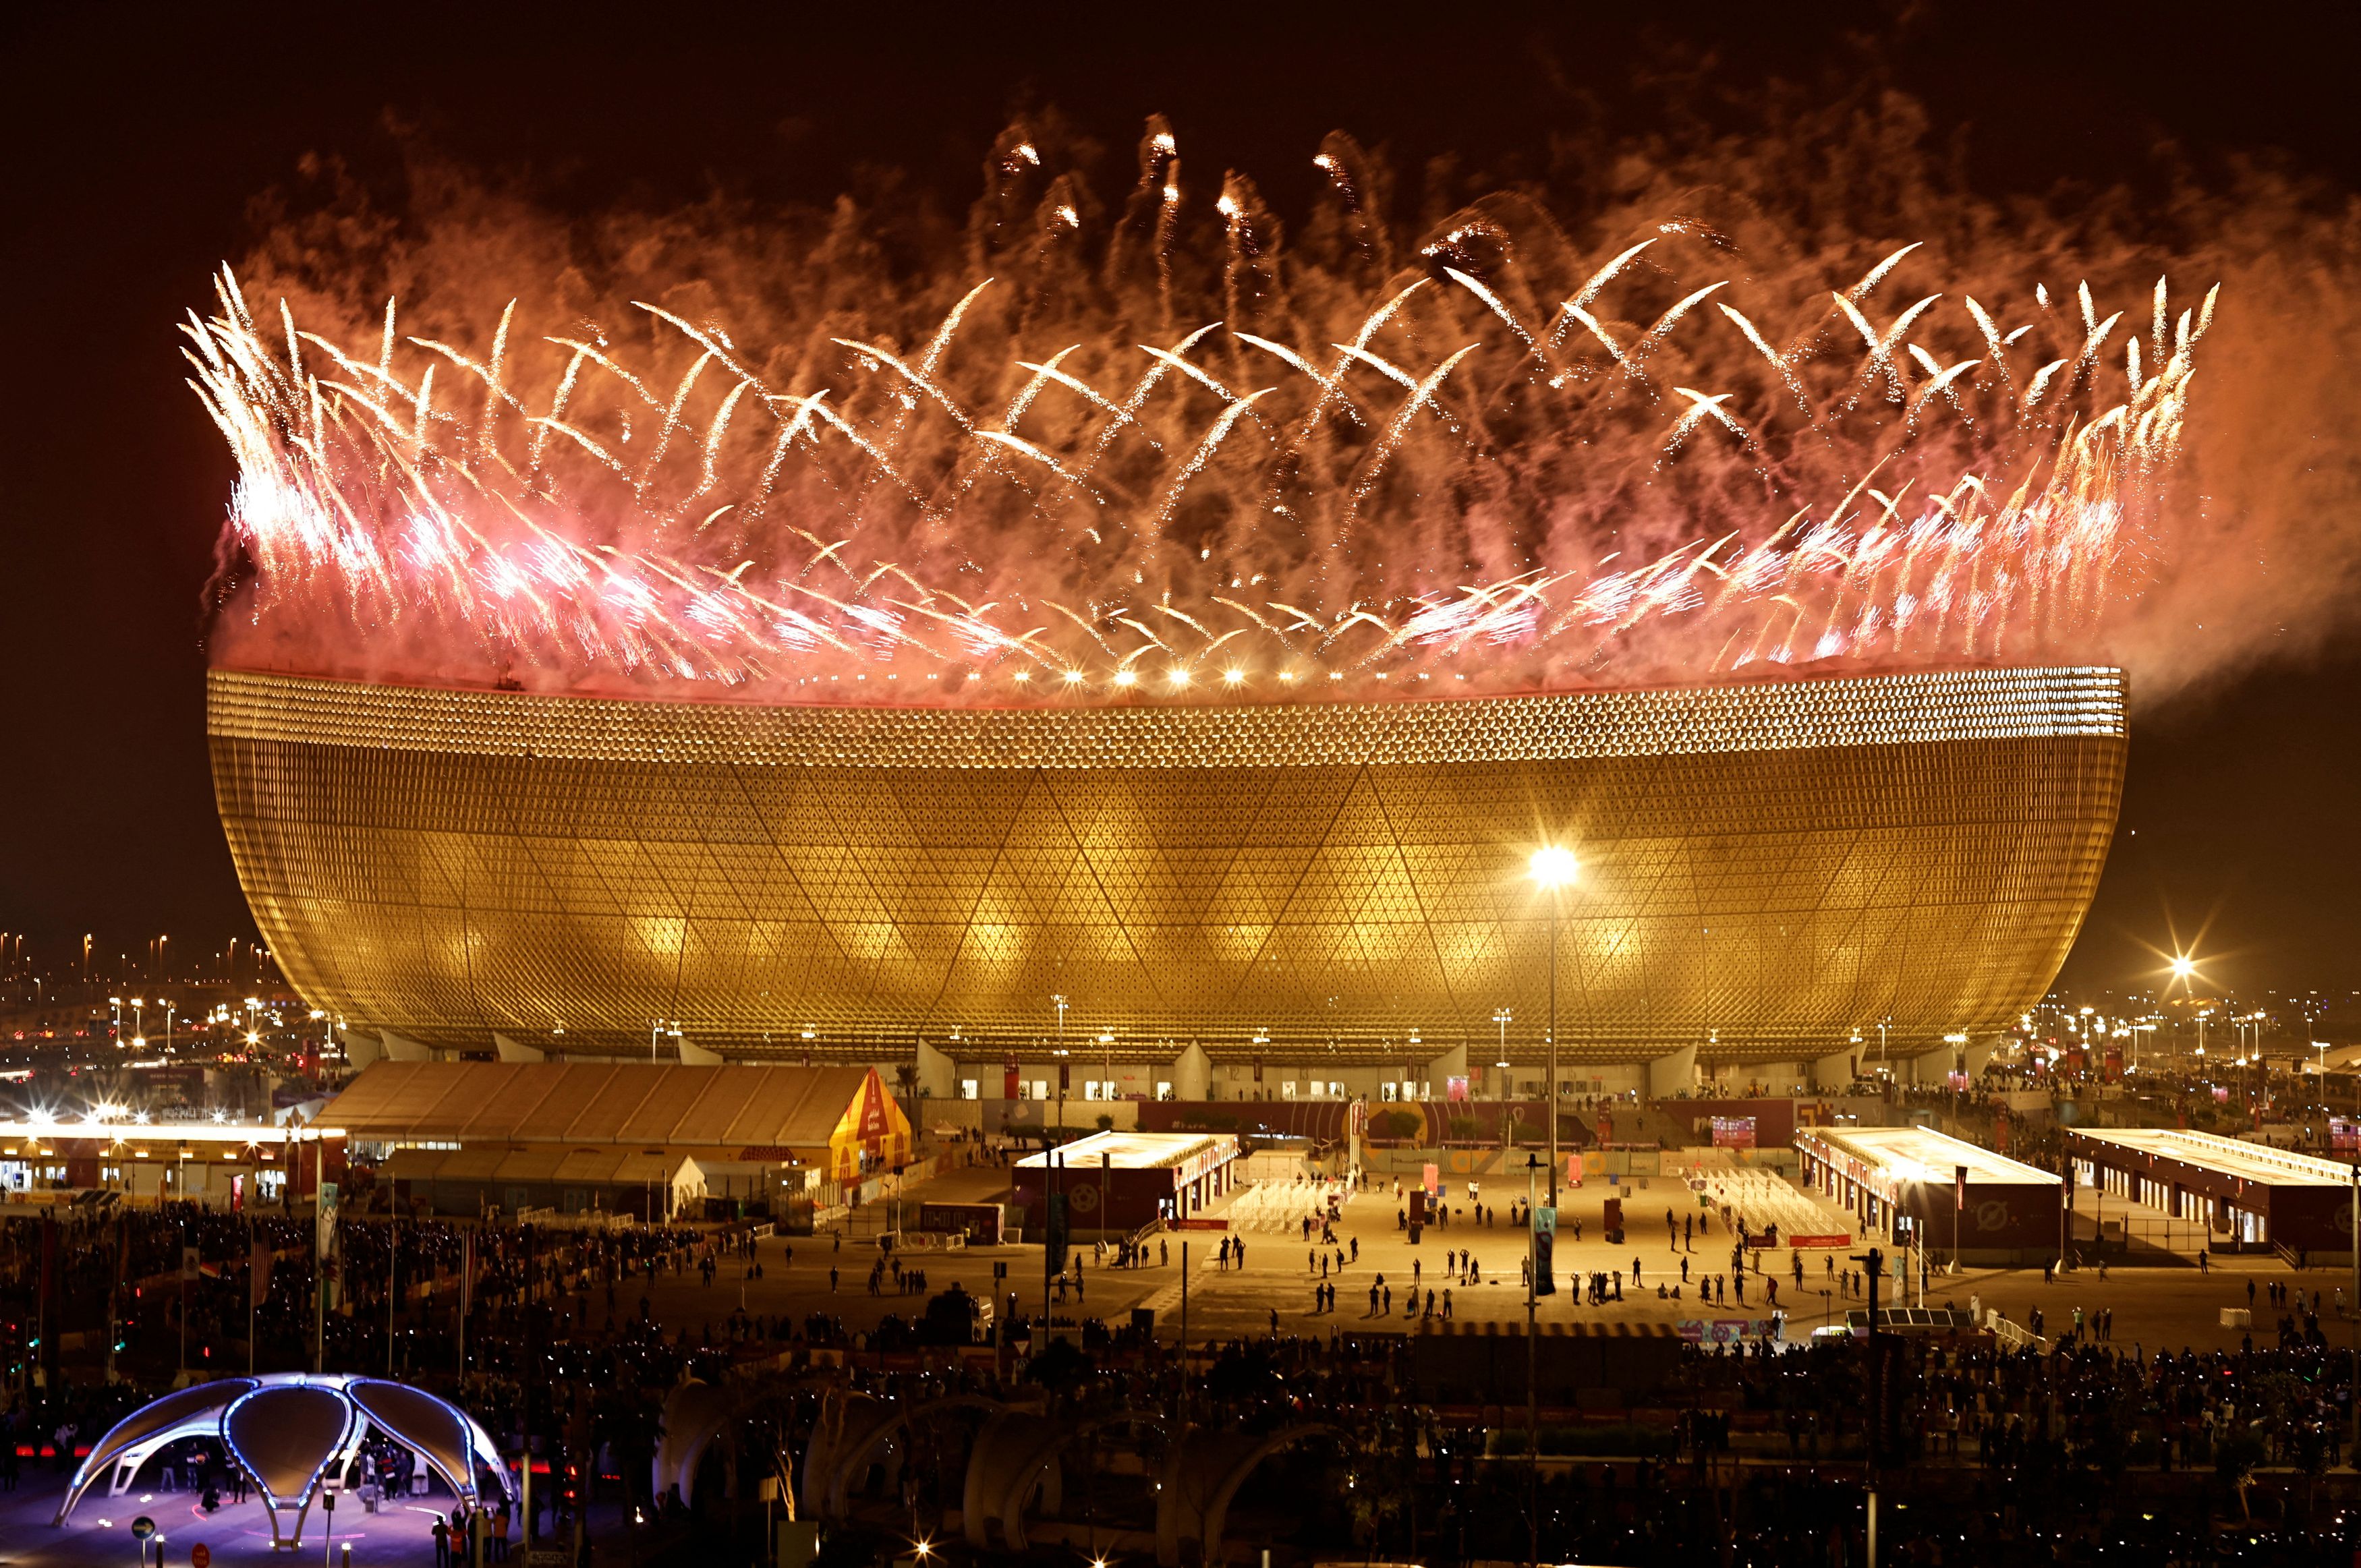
(1079, 467)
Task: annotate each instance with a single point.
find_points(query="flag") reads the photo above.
(259, 1281)
(188, 1264)
(325, 1229)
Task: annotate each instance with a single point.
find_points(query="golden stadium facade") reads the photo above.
(1769, 869)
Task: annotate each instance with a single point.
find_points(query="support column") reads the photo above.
(1668, 1076)
(1933, 1066)
(1193, 1074)
(1451, 1064)
(938, 1074)
(515, 1050)
(1974, 1059)
(1836, 1071)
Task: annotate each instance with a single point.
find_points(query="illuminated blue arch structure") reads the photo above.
(288, 1430)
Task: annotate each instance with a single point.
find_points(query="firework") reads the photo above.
(1504, 467)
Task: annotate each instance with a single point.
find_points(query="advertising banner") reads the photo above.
(2343, 1132)
(1733, 1132)
(324, 1236)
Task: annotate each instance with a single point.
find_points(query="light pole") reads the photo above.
(1553, 867)
(1532, 1374)
(1502, 1019)
(1058, 1002)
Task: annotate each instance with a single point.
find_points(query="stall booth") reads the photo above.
(1924, 1189)
(1117, 1183)
(2245, 1196)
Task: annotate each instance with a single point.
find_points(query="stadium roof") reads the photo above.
(1922, 1153)
(2258, 1163)
(639, 1105)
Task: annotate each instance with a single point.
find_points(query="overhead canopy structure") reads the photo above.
(1933, 1190)
(1117, 1182)
(288, 1431)
(840, 1118)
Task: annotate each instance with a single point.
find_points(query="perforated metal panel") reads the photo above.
(1765, 868)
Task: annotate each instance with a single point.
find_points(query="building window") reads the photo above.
(971, 1089)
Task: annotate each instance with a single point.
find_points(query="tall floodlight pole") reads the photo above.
(1554, 867)
(1532, 1378)
(1502, 1019)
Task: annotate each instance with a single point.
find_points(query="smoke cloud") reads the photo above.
(1793, 398)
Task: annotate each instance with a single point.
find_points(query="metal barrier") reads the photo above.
(2014, 1336)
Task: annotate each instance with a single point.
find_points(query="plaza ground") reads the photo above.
(2154, 1308)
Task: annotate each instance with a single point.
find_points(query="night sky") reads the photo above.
(139, 139)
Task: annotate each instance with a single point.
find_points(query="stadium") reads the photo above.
(1773, 874)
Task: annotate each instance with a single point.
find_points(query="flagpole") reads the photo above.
(252, 1263)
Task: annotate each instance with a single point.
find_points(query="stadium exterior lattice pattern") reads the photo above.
(1767, 869)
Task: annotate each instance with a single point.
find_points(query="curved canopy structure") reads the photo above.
(288, 1431)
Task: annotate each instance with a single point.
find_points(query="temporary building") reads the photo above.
(840, 1120)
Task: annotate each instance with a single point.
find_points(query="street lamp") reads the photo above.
(1502, 1019)
(1058, 1000)
(1552, 868)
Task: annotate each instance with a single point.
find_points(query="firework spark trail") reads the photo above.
(652, 546)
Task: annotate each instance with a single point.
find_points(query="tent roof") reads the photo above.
(587, 1167)
(643, 1105)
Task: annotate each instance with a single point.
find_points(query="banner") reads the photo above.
(323, 1230)
(1544, 1248)
(188, 1264)
(1431, 1180)
(1456, 1088)
(258, 1275)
